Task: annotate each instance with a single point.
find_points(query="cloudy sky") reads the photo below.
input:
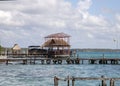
(91, 23)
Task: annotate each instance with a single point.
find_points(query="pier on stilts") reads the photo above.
(55, 50)
(63, 60)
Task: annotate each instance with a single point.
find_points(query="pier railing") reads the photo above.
(73, 79)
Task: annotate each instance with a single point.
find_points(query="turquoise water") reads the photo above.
(98, 54)
(43, 75)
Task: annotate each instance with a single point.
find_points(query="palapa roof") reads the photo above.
(55, 43)
(58, 35)
(16, 47)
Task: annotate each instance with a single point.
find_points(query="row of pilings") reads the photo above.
(56, 61)
(104, 61)
(35, 60)
(73, 79)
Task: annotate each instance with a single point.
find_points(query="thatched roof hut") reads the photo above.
(58, 35)
(57, 44)
(16, 49)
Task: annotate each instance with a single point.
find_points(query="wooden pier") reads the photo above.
(43, 60)
(73, 79)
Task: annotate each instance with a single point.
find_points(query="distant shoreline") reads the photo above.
(83, 49)
(95, 50)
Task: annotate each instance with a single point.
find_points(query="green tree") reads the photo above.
(1, 49)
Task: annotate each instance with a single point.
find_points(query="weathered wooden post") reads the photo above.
(56, 81)
(103, 81)
(42, 61)
(34, 60)
(6, 62)
(68, 81)
(112, 82)
(25, 61)
(73, 81)
(30, 60)
(77, 60)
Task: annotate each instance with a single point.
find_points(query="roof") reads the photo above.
(56, 42)
(58, 35)
(16, 47)
(34, 46)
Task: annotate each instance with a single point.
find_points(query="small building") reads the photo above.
(16, 49)
(57, 45)
(36, 50)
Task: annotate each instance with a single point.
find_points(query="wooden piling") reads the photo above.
(24, 61)
(42, 61)
(48, 61)
(34, 61)
(68, 61)
(103, 81)
(56, 81)
(112, 82)
(68, 81)
(59, 61)
(73, 81)
(6, 62)
(30, 60)
(77, 61)
(54, 61)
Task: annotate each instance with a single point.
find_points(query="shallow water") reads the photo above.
(98, 54)
(43, 75)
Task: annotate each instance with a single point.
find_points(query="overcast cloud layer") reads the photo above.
(27, 22)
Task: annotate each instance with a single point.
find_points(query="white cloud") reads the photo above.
(117, 24)
(118, 17)
(28, 21)
(90, 35)
(84, 5)
(9, 19)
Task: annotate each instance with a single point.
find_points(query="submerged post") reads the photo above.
(34, 60)
(25, 61)
(6, 62)
(103, 81)
(73, 81)
(112, 82)
(56, 81)
(68, 81)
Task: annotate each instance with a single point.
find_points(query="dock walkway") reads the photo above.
(41, 60)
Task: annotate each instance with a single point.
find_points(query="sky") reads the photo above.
(90, 23)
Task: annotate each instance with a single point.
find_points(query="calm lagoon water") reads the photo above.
(98, 54)
(43, 75)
